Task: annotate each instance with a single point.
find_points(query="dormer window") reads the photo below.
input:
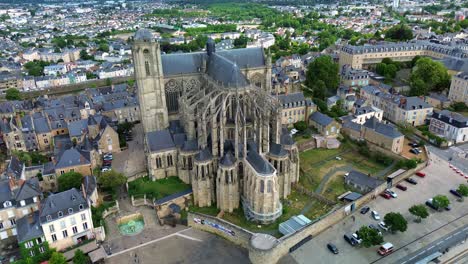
(70, 210)
(7, 204)
(49, 218)
(81, 207)
(60, 214)
(22, 202)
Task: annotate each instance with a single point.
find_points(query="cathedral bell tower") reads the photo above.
(150, 81)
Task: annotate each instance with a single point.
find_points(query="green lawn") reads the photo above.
(157, 189)
(335, 187)
(291, 207)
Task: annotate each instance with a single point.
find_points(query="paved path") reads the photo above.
(330, 173)
(439, 245)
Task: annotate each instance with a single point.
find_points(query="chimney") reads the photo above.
(31, 219)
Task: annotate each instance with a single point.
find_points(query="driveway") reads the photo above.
(132, 160)
(439, 180)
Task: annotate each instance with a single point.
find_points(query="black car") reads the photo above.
(456, 193)
(415, 151)
(350, 239)
(411, 180)
(332, 248)
(413, 144)
(365, 209)
(431, 205)
(372, 226)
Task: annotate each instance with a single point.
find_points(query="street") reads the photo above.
(439, 245)
(456, 155)
(439, 180)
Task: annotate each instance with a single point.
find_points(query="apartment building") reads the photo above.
(449, 125)
(398, 108)
(295, 107)
(459, 88)
(65, 219)
(357, 56)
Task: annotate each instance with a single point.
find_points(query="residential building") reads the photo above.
(437, 100)
(65, 219)
(295, 107)
(449, 125)
(30, 237)
(324, 124)
(73, 160)
(459, 88)
(354, 77)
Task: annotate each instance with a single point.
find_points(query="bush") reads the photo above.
(69, 180)
(301, 126)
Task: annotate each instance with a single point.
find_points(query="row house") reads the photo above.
(449, 125)
(398, 108)
(295, 108)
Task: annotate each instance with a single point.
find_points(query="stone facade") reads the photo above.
(210, 119)
(459, 88)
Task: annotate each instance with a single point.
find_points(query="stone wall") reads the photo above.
(384, 151)
(231, 232)
(272, 253)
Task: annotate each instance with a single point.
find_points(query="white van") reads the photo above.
(385, 249)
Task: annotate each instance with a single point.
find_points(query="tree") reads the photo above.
(440, 201)
(104, 47)
(463, 190)
(13, 94)
(300, 125)
(428, 75)
(84, 55)
(69, 180)
(395, 222)
(370, 237)
(80, 257)
(399, 32)
(108, 82)
(420, 211)
(111, 179)
(57, 258)
(325, 70)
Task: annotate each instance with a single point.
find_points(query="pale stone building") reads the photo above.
(459, 88)
(210, 119)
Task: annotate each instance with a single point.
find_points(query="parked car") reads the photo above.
(392, 193)
(332, 248)
(448, 208)
(385, 249)
(383, 226)
(414, 151)
(375, 215)
(356, 236)
(411, 180)
(401, 187)
(386, 195)
(430, 204)
(338, 158)
(294, 131)
(350, 239)
(456, 193)
(413, 144)
(421, 174)
(372, 226)
(105, 169)
(365, 209)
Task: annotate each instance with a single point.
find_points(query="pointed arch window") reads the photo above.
(147, 68)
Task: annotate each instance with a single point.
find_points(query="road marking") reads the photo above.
(456, 233)
(430, 248)
(438, 243)
(189, 237)
(145, 244)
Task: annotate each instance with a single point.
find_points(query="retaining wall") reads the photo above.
(281, 247)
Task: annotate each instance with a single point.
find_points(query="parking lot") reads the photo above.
(439, 180)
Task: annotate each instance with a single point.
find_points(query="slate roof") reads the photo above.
(351, 125)
(383, 129)
(289, 100)
(5, 193)
(352, 196)
(71, 157)
(362, 179)
(439, 97)
(286, 138)
(172, 196)
(228, 159)
(49, 168)
(183, 63)
(28, 190)
(61, 202)
(415, 102)
(225, 71)
(78, 128)
(143, 35)
(277, 150)
(364, 110)
(190, 145)
(321, 119)
(15, 167)
(159, 140)
(203, 155)
(452, 118)
(41, 125)
(260, 164)
(29, 227)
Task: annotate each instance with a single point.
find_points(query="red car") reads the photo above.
(421, 174)
(401, 187)
(386, 195)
